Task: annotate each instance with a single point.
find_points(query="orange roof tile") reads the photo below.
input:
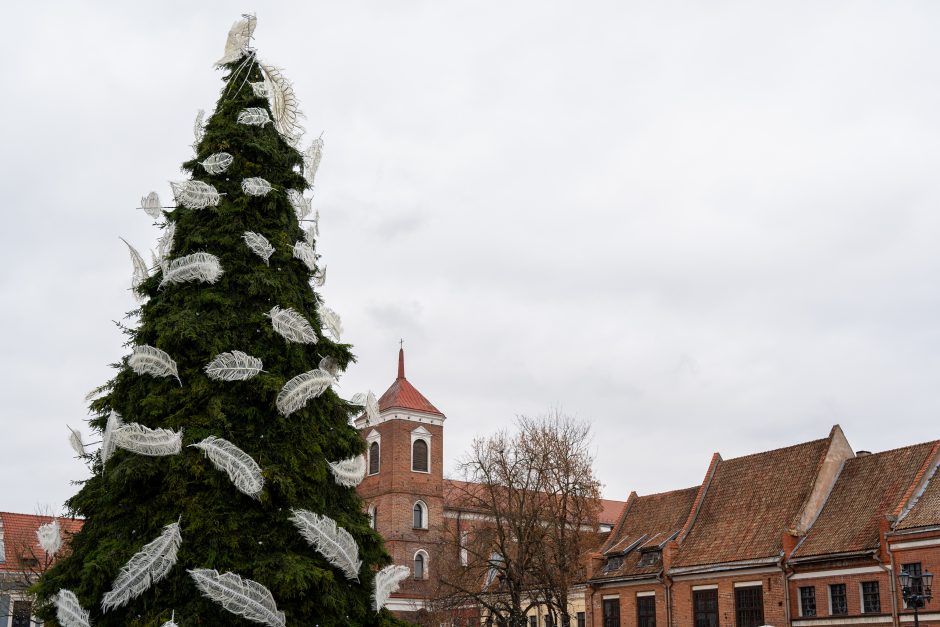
(868, 488)
(749, 503)
(20, 541)
(402, 395)
(646, 522)
(926, 511)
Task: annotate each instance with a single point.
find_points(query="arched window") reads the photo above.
(421, 565)
(419, 515)
(419, 456)
(373, 458)
(372, 512)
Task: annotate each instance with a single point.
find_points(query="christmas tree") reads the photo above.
(224, 489)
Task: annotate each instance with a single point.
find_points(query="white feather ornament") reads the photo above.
(332, 541)
(300, 204)
(331, 321)
(50, 537)
(165, 245)
(283, 102)
(199, 130)
(312, 157)
(259, 245)
(258, 89)
(253, 116)
(239, 36)
(330, 365)
(153, 361)
(242, 470)
(151, 205)
(312, 232)
(234, 366)
(217, 163)
(142, 440)
(195, 194)
(301, 389)
(387, 581)
(242, 597)
(371, 404)
(305, 252)
(292, 326)
(349, 472)
(147, 567)
(75, 441)
(171, 622)
(108, 443)
(318, 278)
(68, 611)
(140, 267)
(202, 267)
(255, 186)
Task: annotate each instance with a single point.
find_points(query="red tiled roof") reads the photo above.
(403, 395)
(647, 522)
(749, 503)
(610, 512)
(868, 488)
(20, 541)
(926, 511)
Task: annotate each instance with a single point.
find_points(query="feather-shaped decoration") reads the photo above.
(330, 365)
(331, 321)
(199, 130)
(255, 186)
(96, 393)
(234, 366)
(217, 163)
(242, 470)
(332, 541)
(203, 267)
(108, 442)
(75, 441)
(242, 597)
(312, 157)
(300, 204)
(292, 326)
(68, 611)
(318, 278)
(50, 537)
(253, 116)
(153, 361)
(312, 232)
(142, 440)
(165, 245)
(349, 472)
(151, 205)
(140, 267)
(371, 404)
(259, 245)
(239, 36)
(387, 581)
(258, 89)
(148, 566)
(195, 194)
(305, 252)
(301, 389)
(171, 622)
(283, 101)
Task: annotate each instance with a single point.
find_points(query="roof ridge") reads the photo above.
(700, 497)
(924, 467)
(776, 450)
(691, 487)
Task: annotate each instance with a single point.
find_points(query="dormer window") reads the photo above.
(421, 450)
(613, 563)
(650, 558)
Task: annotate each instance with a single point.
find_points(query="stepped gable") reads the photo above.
(646, 523)
(869, 488)
(402, 395)
(749, 502)
(18, 539)
(926, 510)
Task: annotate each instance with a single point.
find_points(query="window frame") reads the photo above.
(425, 565)
(804, 598)
(752, 613)
(707, 594)
(610, 619)
(374, 439)
(832, 599)
(645, 615)
(866, 595)
(419, 504)
(427, 455)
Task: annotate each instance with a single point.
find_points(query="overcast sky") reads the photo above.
(700, 226)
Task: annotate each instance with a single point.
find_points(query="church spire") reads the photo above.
(401, 361)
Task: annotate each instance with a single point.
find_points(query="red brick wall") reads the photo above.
(594, 600)
(772, 586)
(852, 583)
(929, 558)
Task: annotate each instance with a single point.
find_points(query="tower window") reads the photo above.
(420, 515)
(421, 565)
(374, 458)
(419, 456)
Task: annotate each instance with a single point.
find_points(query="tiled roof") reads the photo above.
(749, 503)
(926, 511)
(19, 537)
(869, 488)
(647, 522)
(610, 512)
(402, 395)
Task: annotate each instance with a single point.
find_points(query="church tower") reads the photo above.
(404, 484)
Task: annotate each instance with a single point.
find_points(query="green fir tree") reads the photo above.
(194, 317)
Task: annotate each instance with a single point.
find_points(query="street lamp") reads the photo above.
(916, 591)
